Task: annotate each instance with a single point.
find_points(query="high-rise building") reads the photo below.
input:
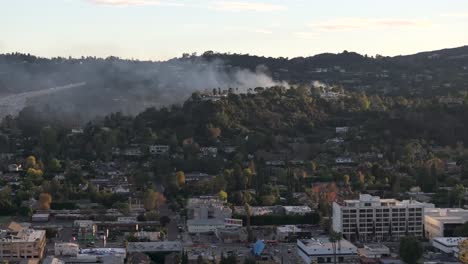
(371, 218)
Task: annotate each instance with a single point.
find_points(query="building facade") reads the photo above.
(441, 222)
(18, 242)
(373, 219)
(321, 250)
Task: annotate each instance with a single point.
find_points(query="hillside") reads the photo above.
(113, 84)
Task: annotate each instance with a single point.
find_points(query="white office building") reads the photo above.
(441, 222)
(373, 219)
(320, 250)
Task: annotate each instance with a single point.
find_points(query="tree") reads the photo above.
(184, 259)
(459, 193)
(180, 177)
(268, 200)
(335, 238)
(164, 220)
(461, 231)
(45, 200)
(5, 199)
(55, 165)
(223, 195)
(48, 141)
(153, 200)
(200, 260)
(215, 132)
(248, 212)
(31, 162)
(249, 261)
(346, 179)
(34, 173)
(410, 249)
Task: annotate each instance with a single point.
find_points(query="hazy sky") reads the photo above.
(162, 29)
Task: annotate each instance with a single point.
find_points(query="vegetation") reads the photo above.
(410, 250)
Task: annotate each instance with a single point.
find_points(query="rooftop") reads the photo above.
(449, 241)
(288, 228)
(165, 246)
(324, 244)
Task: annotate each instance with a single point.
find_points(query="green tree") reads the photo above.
(249, 261)
(55, 165)
(48, 141)
(410, 249)
(461, 231)
(459, 193)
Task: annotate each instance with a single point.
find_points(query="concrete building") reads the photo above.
(441, 222)
(158, 149)
(52, 260)
(154, 247)
(204, 225)
(373, 219)
(232, 234)
(18, 242)
(297, 210)
(100, 255)
(320, 250)
(290, 232)
(40, 218)
(207, 214)
(85, 229)
(448, 245)
(374, 251)
(66, 249)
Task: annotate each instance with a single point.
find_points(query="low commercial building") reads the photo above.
(297, 210)
(259, 210)
(138, 258)
(52, 260)
(321, 250)
(154, 247)
(85, 229)
(374, 251)
(441, 222)
(158, 149)
(232, 234)
(290, 232)
(448, 245)
(37, 218)
(66, 249)
(204, 225)
(100, 255)
(19, 242)
(149, 236)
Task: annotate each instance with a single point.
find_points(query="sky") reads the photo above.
(163, 29)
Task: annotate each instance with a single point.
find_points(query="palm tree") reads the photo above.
(335, 238)
(248, 212)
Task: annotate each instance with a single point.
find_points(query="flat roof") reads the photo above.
(449, 241)
(163, 246)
